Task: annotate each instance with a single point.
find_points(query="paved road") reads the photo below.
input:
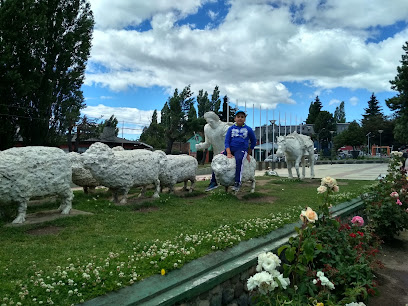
(337, 171)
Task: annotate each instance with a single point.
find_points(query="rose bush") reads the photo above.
(386, 203)
(329, 261)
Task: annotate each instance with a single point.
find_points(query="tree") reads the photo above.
(45, 45)
(85, 129)
(231, 113)
(399, 103)
(353, 136)
(112, 122)
(374, 120)
(340, 114)
(179, 106)
(153, 134)
(314, 110)
(215, 101)
(203, 103)
(324, 123)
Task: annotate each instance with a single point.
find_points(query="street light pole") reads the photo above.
(380, 131)
(273, 142)
(368, 143)
(331, 147)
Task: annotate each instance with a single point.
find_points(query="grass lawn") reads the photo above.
(69, 260)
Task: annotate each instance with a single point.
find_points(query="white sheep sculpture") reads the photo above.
(176, 169)
(35, 172)
(122, 170)
(81, 176)
(224, 170)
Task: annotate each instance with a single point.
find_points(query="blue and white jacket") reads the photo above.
(238, 137)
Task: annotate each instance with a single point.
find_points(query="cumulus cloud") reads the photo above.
(354, 101)
(252, 52)
(132, 119)
(334, 102)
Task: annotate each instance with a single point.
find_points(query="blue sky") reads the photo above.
(273, 55)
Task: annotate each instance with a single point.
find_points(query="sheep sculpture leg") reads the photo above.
(66, 201)
(192, 184)
(22, 209)
(253, 183)
(157, 190)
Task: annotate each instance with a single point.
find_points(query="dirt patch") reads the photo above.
(48, 230)
(267, 199)
(393, 278)
(49, 215)
(147, 209)
(261, 183)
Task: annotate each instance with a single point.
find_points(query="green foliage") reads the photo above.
(387, 203)
(153, 134)
(314, 110)
(111, 122)
(329, 261)
(340, 114)
(353, 136)
(399, 103)
(203, 103)
(176, 117)
(323, 124)
(43, 54)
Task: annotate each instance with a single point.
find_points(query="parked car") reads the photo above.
(275, 158)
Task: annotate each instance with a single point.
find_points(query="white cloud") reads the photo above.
(334, 101)
(213, 15)
(354, 101)
(129, 117)
(250, 54)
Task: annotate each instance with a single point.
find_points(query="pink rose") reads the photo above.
(398, 202)
(394, 194)
(357, 220)
(335, 188)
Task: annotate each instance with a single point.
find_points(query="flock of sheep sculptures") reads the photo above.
(29, 172)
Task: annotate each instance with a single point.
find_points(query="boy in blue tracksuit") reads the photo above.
(237, 145)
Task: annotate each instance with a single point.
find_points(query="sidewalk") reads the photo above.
(337, 171)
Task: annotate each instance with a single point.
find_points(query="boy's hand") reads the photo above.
(249, 158)
(229, 155)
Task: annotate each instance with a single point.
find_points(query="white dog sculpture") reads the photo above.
(296, 147)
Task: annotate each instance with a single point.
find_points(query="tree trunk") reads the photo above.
(202, 162)
(169, 145)
(69, 139)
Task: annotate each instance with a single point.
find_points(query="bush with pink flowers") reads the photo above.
(387, 202)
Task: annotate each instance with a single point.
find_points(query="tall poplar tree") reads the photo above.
(340, 114)
(45, 45)
(399, 103)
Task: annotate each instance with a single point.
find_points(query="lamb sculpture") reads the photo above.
(81, 176)
(224, 169)
(122, 170)
(296, 147)
(35, 172)
(176, 169)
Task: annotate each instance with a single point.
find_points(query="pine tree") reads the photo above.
(399, 103)
(374, 109)
(314, 110)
